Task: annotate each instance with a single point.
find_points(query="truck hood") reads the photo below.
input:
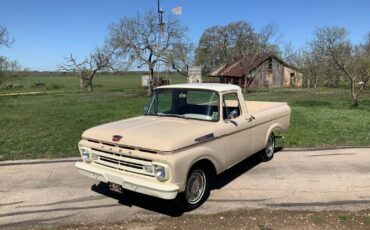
(154, 133)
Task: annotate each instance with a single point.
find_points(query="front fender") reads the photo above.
(182, 161)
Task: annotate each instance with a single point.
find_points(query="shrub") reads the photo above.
(56, 86)
(38, 84)
(13, 85)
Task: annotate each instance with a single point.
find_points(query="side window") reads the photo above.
(231, 104)
(164, 102)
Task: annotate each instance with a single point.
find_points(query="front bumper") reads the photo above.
(128, 181)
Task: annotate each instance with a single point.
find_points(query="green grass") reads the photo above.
(367, 219)
(50, 125)
(344, 218)
(319, 220)
(322, 117)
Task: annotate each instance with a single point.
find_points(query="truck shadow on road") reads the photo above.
(130, 199)
(168, 207)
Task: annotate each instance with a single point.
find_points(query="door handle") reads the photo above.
(251, 118)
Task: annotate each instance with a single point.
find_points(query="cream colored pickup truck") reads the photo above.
(189, 134)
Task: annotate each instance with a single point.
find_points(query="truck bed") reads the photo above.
(257, 106)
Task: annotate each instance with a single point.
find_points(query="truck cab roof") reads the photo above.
(206, 86)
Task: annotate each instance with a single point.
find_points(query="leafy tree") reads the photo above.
(220, 43)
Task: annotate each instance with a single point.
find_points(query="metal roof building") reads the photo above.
(264, 70)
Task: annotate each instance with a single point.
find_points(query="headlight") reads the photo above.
(160, 173)
(85, 154)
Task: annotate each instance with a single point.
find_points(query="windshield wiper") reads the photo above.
(171, 115)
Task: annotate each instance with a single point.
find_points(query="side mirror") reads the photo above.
(233, 114)
(145, 109)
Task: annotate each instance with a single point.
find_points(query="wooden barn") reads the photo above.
(264, 70)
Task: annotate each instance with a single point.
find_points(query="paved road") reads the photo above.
(33, 194)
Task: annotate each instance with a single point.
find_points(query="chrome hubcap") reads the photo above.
(270, 146)
(195, 186)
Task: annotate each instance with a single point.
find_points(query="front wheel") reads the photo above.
(196, 191)
(268, 153)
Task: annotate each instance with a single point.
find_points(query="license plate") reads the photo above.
(115, 188)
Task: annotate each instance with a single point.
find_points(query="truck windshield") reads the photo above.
(185, 103)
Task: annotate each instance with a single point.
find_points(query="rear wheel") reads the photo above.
(268, 153)
(197, 189)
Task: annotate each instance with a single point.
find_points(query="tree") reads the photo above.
(180, 57)
(99, 60)
(8, 68)
(218, 44)
(5, 40)
(268, 39)
(352, 61)
(141, 40)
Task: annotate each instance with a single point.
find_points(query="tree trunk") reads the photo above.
(90, 81)
(151, 81)
(82, 80)
(353, 95)
(315, 82)
(90, 87)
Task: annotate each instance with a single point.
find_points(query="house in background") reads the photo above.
(195, 74)
(264, 70)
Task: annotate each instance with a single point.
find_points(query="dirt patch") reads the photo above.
(246, 219)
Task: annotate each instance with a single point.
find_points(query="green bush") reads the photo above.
(38, 84)
(13, 85)
(56, 86)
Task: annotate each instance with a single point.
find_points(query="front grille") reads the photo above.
(118, 154)
(122, 162)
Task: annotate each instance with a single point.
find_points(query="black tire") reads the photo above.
(197, 189)
(268, 152)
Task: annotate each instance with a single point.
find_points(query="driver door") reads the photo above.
(239, 131)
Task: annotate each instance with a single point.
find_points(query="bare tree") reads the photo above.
(142, 41)
(99, 60)
(352, 61)
(8, 68)
(5, 40)
(268, 39)
(180, 57)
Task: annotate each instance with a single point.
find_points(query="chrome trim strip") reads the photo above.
(215, 138)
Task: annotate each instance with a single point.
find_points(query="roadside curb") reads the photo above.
(322, 148)
(39, 161)
(37, 93)
(74, 159)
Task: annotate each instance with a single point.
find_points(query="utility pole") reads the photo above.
(159, 48)
(160, 16)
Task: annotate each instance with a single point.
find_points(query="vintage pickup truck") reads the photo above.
(189, 134)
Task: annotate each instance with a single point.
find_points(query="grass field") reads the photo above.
(50, 124)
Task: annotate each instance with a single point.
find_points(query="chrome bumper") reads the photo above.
(128, 181)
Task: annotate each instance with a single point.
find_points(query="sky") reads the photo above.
(47, 31)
